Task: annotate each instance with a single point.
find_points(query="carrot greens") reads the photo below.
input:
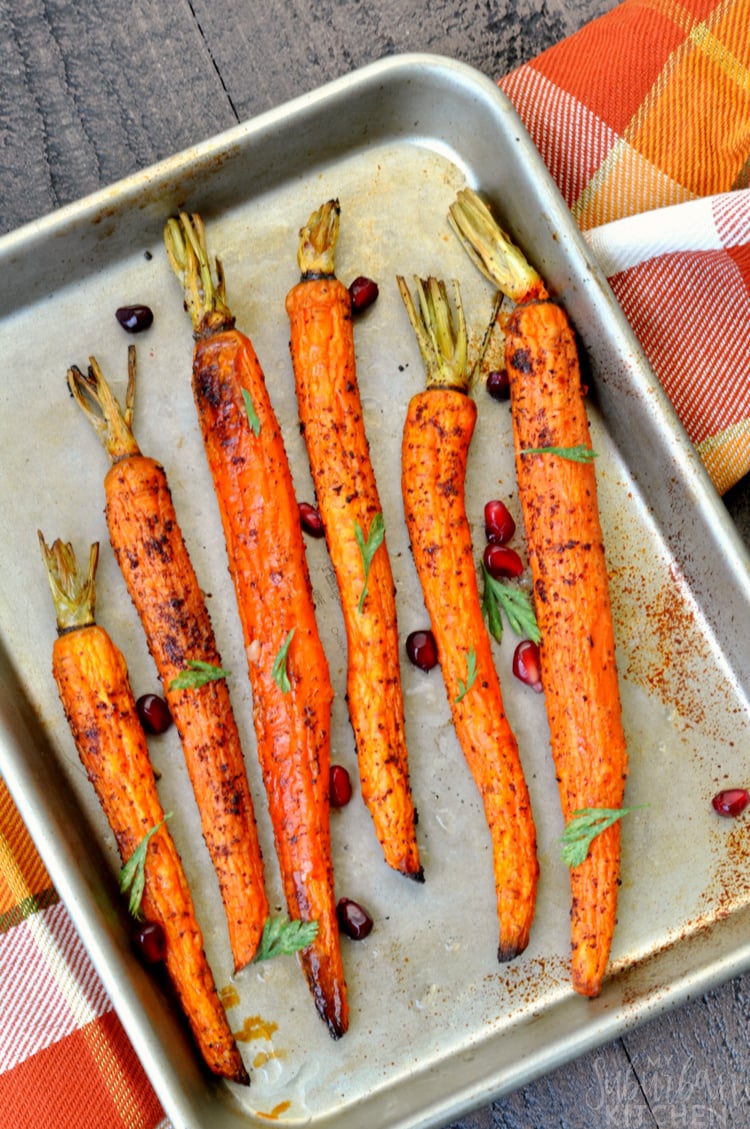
(133, 873)
(368, 546)
(198, 674)
(282, 937)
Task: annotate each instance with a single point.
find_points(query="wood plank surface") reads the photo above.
(91, 91)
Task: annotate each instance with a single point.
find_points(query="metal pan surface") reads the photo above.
(438, 1027)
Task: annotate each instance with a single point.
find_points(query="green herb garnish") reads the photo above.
(197, 674)
(252, 415)
(584, 827)
(578, 454)
(368, 546)
(499, 596)
(278, 670)
(282, 937)
(471, 674)
(133, 873)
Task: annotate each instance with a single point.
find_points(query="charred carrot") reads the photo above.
(289, 674)
(154, 561)
(95, 693)
(557, 488)
(323, 357)
(437, 434)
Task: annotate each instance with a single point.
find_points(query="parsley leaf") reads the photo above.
(133, 873)
(368, 546)
(197, 674)
(578, 454)
(278, 670)
(515, 602)
(252, 415)
(282, 936)
(584, 827)
(471, 674)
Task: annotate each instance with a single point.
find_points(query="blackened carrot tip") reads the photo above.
(335, 1028)
(508, 952)
(415, 875)
(241, 1077)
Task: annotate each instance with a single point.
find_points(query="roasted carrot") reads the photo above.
(437, 434)
(330, 408)
(154, 561)
(557, 488)
(95, 693)
(289, 674)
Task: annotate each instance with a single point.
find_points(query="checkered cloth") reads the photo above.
(65, 1061)
(643, 118)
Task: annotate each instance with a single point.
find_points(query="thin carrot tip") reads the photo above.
(507, 951)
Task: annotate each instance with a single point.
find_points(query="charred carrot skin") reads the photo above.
(561, 517)
(437, 435)
(571, 591)
(98, 702)
(149, 548)
(268, 564)
(330, 409)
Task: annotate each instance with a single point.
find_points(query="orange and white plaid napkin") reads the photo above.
(643, 118)
(65, 1061)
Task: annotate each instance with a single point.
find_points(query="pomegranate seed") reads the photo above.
(421, 649)
(341, 786)
(526, 665)
(731, 801)
(498, 384)
(363, 292)
(311, 520)
(150, 942)
(353, 920)
(154, 713)
(134, 319)
(499, 525)
(499, 561)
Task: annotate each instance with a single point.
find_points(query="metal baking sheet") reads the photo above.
(437, 1026)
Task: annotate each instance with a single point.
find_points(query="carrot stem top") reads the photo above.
(73, 591)
(98, 403)
(205, 295)
(317, 242)
(441, 339)
(492, 250)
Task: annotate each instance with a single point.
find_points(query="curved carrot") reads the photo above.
(152, 555)
(291, 686)
(95, 693)
(571, 589)
(437, 434)
(322, 349)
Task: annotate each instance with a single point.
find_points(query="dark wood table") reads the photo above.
(92, 91)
